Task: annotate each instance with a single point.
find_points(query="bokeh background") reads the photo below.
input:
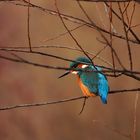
(21, 83)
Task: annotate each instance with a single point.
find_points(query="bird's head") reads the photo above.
(79, 63)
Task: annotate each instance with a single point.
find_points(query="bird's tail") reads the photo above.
(104, 99)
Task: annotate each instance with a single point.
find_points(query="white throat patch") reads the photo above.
(84, 66)
(74, 72)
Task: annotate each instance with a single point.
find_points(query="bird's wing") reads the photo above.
(103, 87)
(90, 80)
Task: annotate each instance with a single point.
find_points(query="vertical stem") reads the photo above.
(28, 26)
(135, 117)
(110, 29)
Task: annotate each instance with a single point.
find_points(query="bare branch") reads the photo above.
(105, 0)
(84, 52)
(126, 34)
(20, 49)
(83, 106)
(28, 26)
(112, 129)
(62, 34)
(59, 101)
(135, 117)
(77, 21)
(111, 37)
(132, 32)
(107, 70)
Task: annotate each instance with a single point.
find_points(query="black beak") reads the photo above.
(64, 74)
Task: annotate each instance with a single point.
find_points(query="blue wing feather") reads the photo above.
(103, 88)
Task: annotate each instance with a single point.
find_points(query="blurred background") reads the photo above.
(22, 83)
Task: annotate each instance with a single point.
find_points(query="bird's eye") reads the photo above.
(84, 66)
(75, 66)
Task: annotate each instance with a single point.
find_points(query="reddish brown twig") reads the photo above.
(131, 31)
(126, 34)
(84, 52)
(135, 117)
(112, 129)
(111, 37)
(28, 26)
(78, 21)
(132, 15)
(62, 34)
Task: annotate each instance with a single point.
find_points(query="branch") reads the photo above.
(103, 36)
(111, 37)
(107, 70)
(107, 42)
(62, 34)
(75, 20)
(135, 117)
(126, 35)
(60, 101)
(20, 49)
(105, 0)
(74, 39)
(28, 26)
(124, 90)
(112, 129)
(131, 31)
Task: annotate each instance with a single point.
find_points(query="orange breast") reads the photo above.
(84, 89)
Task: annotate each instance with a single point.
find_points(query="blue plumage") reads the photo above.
(103, 88)
(96, 82)
(91, 79)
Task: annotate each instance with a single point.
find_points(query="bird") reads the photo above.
(90, 78)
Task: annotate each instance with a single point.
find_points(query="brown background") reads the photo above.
(21, 83)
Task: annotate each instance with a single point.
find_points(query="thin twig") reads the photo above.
(126, 34)
(107, 13)
(132, 32)
(132, 14)
(125, 11)
(21, 49)
(78, 21)
(102, 35)
(135, 117)
(112, 129)
(62, 34)
(111, 37)
(71, 33)
(100, 16)
(99, 53)
(84, 11)
(83, 106)
(104, 0)
(28, 26)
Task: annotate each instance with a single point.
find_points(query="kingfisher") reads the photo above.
(90, 78)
